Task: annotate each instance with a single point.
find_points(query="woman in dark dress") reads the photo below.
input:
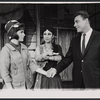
(47, 56)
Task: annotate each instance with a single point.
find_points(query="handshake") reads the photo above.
(51, 73)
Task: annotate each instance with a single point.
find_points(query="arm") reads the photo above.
(66, 61)
(36, 68)
(58, 57)
(41, 71)
(4, 67)
(55, 58)
(40, 56)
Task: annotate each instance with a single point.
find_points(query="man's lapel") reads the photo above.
(89, 42)
(79, 46)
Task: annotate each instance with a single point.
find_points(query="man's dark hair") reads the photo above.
(84, 14)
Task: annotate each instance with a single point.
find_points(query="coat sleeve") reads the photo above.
(66, 61)
(5, 64)
(32, 64)
(60, 50)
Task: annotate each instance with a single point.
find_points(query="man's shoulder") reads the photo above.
(96, 32)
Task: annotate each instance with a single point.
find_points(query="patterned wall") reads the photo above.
(64, 38)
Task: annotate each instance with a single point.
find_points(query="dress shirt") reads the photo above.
(87, 37)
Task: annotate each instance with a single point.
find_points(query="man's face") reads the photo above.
(79, 23)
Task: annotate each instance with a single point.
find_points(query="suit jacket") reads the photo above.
(85, 66)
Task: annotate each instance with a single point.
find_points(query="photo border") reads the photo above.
(67, 95)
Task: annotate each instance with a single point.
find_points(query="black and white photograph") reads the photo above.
(50, 47)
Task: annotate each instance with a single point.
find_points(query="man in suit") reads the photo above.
(84, 52)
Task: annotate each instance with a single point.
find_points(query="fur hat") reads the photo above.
(13, 26)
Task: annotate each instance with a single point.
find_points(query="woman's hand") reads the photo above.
(55, 53)
(51, 58)
(44, 55)
(48, 74)
(51, 72)
(8, 85)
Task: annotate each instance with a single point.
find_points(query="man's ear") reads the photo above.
(87, 20)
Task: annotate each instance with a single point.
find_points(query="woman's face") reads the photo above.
(47, 35)
(21, 35)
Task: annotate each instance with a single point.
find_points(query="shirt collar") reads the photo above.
(12, 48)
(89, 32)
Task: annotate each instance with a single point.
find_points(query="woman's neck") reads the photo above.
(15, 41)
(48, 45)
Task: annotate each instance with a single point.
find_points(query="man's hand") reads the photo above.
(51, 72)
(48, 74)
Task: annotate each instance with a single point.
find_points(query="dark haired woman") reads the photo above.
(16, 65)
(47, 56)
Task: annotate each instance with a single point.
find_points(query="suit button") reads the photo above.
(81, 71)
(82, 60)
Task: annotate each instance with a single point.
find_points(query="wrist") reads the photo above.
(51, 57)
(45, 73)
(55, 70)
(43, 56)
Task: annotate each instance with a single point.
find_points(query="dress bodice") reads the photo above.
(50, 63)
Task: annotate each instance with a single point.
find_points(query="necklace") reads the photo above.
(48, 47)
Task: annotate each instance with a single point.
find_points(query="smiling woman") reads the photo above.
(17, 66)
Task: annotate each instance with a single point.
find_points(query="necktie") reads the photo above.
(83, 44)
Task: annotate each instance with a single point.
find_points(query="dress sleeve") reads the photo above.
(5, 64)
(38, 53)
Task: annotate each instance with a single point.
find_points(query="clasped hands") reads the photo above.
(51, 73)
